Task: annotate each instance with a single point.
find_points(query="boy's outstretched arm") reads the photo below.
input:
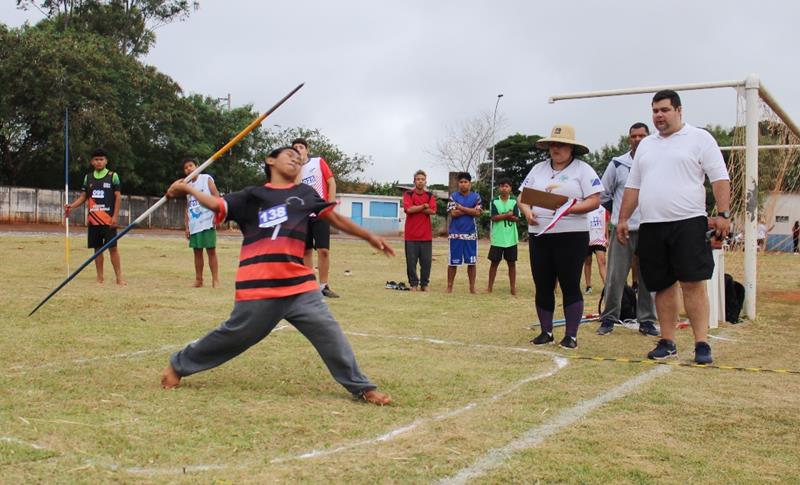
(350, 227)
(179, 188)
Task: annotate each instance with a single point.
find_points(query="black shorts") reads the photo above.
(594, 248)
(97, 236)
(496, 254)
(674, 251)
(319, 235)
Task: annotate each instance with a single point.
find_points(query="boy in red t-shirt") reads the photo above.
(419, 205)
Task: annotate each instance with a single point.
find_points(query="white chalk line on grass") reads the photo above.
(16, 441)
(560, 363)
(91, 360)
(535, 436)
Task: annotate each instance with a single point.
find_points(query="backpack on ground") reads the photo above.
(627, 309)
(734, 299)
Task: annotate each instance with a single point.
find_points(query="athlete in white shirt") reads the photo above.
(666, 181)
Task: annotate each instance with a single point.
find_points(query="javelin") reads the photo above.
(163, 199)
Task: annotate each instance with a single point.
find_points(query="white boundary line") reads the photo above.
(127, 355)
(535, 436)
(16, 441)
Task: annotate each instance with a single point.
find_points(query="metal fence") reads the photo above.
(41, 206)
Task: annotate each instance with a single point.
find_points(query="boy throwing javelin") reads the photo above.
(272, 283)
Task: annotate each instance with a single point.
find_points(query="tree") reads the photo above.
(515, 155)
(345, 167)
(130, 23)
(467, 144)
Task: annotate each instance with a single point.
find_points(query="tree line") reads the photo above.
(83, 58)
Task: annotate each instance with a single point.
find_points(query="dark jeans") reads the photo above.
(421, 251)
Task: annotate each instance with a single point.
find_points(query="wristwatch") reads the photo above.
(724, 214)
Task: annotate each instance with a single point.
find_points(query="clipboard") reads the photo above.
(542, 199)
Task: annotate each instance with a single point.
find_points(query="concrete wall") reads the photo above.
(40, 206)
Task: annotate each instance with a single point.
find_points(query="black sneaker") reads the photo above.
(328, 292)
(606, 327)
(648, 328)
(543, 338)
(569, 343)
(702, 353)
(665, 349)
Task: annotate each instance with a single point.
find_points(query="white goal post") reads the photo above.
(754, 89)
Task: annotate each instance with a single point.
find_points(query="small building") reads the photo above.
(785, 210)
(381, 214)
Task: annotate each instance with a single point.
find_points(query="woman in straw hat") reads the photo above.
(557, 253)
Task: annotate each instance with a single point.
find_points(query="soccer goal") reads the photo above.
(763, 166)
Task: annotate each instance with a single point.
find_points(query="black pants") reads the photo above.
(422, 252)
(559, 257)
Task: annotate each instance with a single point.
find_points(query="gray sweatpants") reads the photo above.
(421, 251)
(617, 268)
(251, 321)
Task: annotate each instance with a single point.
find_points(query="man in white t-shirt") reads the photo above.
(666, 182)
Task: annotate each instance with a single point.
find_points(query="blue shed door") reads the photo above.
(356, 212)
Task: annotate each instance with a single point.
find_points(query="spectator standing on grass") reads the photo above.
(763, 232)
(666, 183)
(272, 282)
(101, 192)
(505, 236)
(597, 247)
(558, 254)
(318, 175)
(464, 206)
(621, 257)
(419, 205)
(199, 223)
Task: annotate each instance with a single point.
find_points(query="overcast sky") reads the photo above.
(386, 78)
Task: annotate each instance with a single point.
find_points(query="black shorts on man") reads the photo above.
(674, 251)
(496, 254)
(319, 235)
(593, 248)
(98, 236)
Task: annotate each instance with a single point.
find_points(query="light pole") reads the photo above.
(494, 127)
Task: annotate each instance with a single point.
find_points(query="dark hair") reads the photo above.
(669, 94)
(300, 141)
(187, 160)
(464, 176)
(504, 181)
(420, 172)
(98, 152)
(275, 154)
(639, 125)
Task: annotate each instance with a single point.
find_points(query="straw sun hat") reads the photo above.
(563, 134)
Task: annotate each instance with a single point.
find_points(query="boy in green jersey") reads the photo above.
(505, 237)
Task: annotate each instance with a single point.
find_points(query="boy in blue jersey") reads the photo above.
(463, 207)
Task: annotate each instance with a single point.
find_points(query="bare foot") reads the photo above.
(414, 288)
(376, 397)
(215, 283)
(121, 282)
(197, 284)
(449, 289)
(100, 280)
(423, 288)
(472, 290)
(513, 292)
(487, 290)
(170, 379)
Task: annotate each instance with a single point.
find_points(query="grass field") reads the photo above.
(474, 402)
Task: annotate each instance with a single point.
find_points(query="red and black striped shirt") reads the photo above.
(274, 223)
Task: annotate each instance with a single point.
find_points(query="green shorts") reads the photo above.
(204, 239)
